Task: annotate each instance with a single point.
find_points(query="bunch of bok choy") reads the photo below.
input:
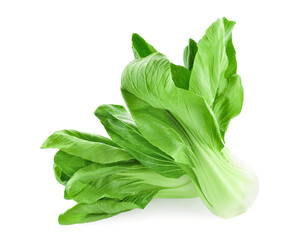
(171, 142)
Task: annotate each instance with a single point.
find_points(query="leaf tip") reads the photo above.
(135, 36)
(45, 144)
(98, 111)
(62, 219)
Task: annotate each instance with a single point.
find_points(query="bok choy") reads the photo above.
(171, 143)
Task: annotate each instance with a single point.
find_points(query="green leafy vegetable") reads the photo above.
(183, 124)
(171, 146)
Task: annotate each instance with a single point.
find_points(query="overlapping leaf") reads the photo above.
(97, 181)
(105, 190)
(104, 208)
(162, 111)
(90, 147)
(123, 131)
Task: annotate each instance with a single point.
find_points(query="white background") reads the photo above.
(59, 60)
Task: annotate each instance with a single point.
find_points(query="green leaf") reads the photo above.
(97, 181)
(90, 147)
(230, 50)
(69, 163)
(140, 47)
(189, 54)
(229, 97)
(66, 195)
(210, 63)
(104, 208)
(213, 74)
(228, 102)
(123, 180)
(121, 128)
(60, 176)
(180, 76)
